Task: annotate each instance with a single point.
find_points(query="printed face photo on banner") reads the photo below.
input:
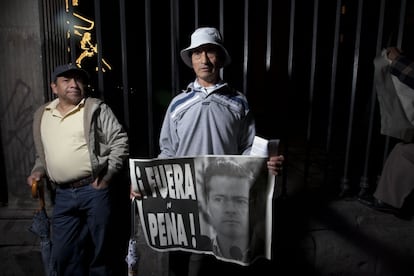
(227, 187)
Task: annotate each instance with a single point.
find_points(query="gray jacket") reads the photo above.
(107, 140)
(197, 123)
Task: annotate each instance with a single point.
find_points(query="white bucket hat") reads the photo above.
(202, 36)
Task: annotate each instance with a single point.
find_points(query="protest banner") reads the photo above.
(219, 205)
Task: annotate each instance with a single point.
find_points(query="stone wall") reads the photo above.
(22, 90)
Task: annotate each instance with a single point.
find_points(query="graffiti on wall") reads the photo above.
(16, 124)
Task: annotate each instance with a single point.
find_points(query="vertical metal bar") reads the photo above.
(401, 23)
(52, 27)
(124, 58)
(291, 36)
(60, 45)
(175, 74)
(291, 87)
(221, 16)
(311, 88)
(269, 35)
(333, 85)
(364, 183)
(221, 26)
(246, 45)
(98, 31)
(70, 25)
(345, 181)
(149, 76)
(196, 15)
(45, 33)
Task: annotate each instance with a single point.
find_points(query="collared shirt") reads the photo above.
(197, 123)
(209, 89)
(66, 151)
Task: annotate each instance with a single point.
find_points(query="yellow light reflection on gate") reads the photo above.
(89, 49)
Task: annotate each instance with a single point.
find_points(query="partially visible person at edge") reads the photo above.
(209, 117)
(396, 183)
(80, 148)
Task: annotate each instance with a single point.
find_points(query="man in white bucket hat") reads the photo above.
(205, 36)
(209, 117)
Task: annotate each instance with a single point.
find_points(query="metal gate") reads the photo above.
(305, 66)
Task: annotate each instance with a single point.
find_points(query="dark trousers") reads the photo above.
(80, 231)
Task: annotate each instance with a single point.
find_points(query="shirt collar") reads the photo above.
(52, 105)
(208, 89)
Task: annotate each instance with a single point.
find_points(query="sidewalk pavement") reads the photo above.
(20, 253)
(340, 237)
(19, 248)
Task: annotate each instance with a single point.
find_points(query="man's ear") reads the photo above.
(53, 87)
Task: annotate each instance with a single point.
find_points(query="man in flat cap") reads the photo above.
(80, 148)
